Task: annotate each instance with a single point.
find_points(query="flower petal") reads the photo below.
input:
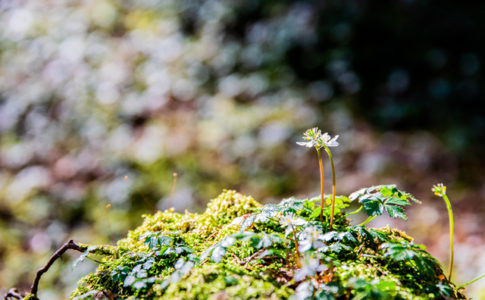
(333, 142)
(309, 144)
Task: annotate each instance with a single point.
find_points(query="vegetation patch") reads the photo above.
(238, 249)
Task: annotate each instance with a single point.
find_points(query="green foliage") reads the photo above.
(412, 255)
(377, 199)
(253, 256)
(375, 289)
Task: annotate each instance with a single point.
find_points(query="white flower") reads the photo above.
(309, 144)
(314, 138)
(291, 219)
(439, 189)
(329, 141)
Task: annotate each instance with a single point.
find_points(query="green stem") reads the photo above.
(355, 211)
(470, 282)
(322, 187)
(333, 185)
(370, 218)
(450, 216)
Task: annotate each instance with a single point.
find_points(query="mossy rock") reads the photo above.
(238, 249)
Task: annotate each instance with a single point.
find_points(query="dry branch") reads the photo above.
(52, 259)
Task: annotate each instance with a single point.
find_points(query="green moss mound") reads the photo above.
(239, 249)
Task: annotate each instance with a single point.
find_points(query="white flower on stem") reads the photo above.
(439, 189)
(314, 138)
(290, 221)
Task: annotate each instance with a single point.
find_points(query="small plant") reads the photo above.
(440, 191)
(377, 199)
(315, 139)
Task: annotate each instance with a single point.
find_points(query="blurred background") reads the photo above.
(102, 101)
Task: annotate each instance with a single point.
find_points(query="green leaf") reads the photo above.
(398, 251)
(403, 252)
(396, 212)
(129, 280)
(376, 199)
(373, 207)
(397, 201)
(315, 212)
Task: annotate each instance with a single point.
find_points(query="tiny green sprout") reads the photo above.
(315, 139)
(440, 191)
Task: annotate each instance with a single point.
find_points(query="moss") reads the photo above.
(204, 256)
(396, 235)
(225, 281)
(30, 297)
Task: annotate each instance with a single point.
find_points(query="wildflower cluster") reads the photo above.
(439, 189)
(315, 139)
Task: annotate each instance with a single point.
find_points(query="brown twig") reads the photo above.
(213, 234)
(238, 260)
(52, 259)
(249, 259)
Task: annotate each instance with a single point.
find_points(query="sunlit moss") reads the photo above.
(356, 260)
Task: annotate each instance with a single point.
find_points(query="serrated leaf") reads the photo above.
(141, 273)
(398, 252)
(338, 247)
(397, 201)
(129, 280)
(165, 240)
(330, 236)
(396, 212)
(152, 242)
(347, 237)
(148, 264)
(139, 285)
(356, 195)
(373, 207)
